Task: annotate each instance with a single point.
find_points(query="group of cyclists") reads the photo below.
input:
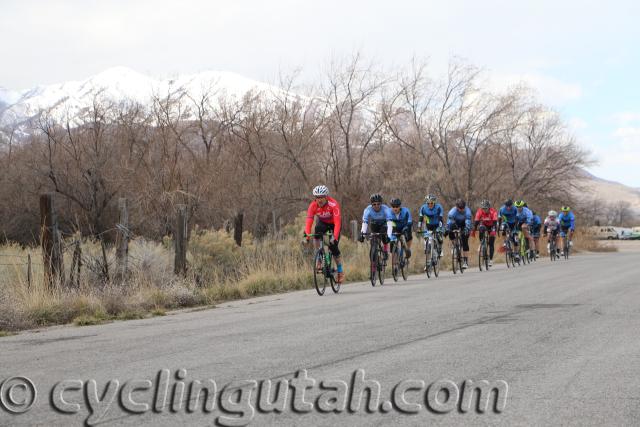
(393, 221)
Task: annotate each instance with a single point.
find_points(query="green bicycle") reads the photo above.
(324, 266)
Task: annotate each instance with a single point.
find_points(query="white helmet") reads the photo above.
(321, 190)
(553, 213)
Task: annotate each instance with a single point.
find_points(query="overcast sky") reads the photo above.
(583, 57)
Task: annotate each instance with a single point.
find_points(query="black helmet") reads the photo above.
(485, 204)
(376, 198)
(395, 202)
(508, 203)
(460, 204)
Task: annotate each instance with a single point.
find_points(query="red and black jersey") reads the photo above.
(329, 213)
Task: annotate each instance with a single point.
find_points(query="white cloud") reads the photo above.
(626, 118)
(577, 124)
(620, 160)
(549, 90)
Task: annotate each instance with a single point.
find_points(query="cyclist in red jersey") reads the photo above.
(487, 218)
(327, 210)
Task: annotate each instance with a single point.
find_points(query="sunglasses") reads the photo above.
(376, 204)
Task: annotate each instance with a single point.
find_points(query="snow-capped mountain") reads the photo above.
(119, 84)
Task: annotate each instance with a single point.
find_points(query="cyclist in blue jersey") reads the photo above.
(378, 215)
(567, 224)
(524, 217)
(507, 217)
(536, 227)
(459, 218)
(402, 223)
(431, 215)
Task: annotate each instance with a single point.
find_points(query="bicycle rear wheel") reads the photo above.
(395, 261)
(332, 269)
(319, 278)
(404, 264)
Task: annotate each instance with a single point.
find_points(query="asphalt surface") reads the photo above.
(564, 336)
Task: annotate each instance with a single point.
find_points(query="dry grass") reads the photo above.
(218, 271)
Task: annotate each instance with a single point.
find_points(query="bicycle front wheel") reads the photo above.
(381, 266)
(404, 266)
(481, 256)
(319, 278)
(373, 257)
(454, 260)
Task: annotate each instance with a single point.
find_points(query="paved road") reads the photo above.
(563, 336)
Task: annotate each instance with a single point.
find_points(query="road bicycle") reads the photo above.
(483, 250)
(456, 252)
(431, 252)
(523, 248)
(324, 265)
(509, 255)
(400, 262)
(553, 249)
(376, 258)
(566, 247)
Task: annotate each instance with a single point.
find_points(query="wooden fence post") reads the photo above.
(122, 241)
(29, 272)
(273, 224)
(180, 235)
(354, 230)
(237, 228)
(50, 240)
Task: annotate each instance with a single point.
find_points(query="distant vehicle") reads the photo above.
(625, 234)
(605, 233)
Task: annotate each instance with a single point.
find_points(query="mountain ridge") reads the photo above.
(119, 84)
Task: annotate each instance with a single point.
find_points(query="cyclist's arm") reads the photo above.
(390, 229)
(337, 222)
(365, 221)
(573, 222)
(390, 222)
(311, 211)
(409, 219)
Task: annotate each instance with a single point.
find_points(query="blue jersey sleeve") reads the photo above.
(365, 215)
(451, 217)
(409, 219)
(467, 218)
(388, 212)
(573, 220)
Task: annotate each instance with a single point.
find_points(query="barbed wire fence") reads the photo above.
(56, 243)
